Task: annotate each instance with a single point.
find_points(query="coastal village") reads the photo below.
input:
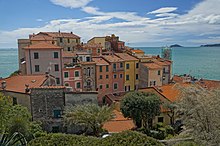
(56, 69)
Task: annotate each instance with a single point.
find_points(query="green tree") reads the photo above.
(141, 107)
(89, 115)
(5, 105)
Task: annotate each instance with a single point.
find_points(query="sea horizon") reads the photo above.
(186, 60)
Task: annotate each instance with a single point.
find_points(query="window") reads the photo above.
(154, 83)
(87, 59)
(67, 84)
(36, 55)
(106, 76)
(107, 86)
(66, 74)
(68, 48)
(121, 75)
(106, 68)
(127, 77)
(115, 86)
(55, 55)
(100, 87)
(137, 65)
(57, 113)
(78, 85)
(56, 66)
(121, 65)
(98, 51)
(136, 76)
(158, 72)
(115, 76)
(100, 77)
(164, 70)
(127, 66)
(76, 73)
(14, 101)
(61, 40)
(37, 68)
(100, 68)
(125, 88)
(68, 40)
(114, 66)
(58, 80)
(160, 119)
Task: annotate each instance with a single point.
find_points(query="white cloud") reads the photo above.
(167, 28)
(39, 20)
(71, 3)
(163, 10)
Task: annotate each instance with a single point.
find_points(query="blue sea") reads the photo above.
(201, 62)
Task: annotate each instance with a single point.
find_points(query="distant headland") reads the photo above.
(210, 45)
(175, 45)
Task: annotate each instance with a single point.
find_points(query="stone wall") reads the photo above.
(44, 103)
(73, 98)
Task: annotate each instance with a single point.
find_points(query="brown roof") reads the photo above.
(62, 34)
(41, 37)
(92, 45)
(68, 54)
(43, 45)
(152, 65)
(99, 61)
(119, 123)
(112, 58)
(87, 63)
(137, 51)
(17, 83)
(126, 57)
(162, 62)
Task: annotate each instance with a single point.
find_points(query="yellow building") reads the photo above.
(131, 75)
(97, 40)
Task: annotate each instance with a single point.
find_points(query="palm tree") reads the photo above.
(91, 116)
(17, 139)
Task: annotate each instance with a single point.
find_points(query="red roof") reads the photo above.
(17, 83)
(126, 57)
(119, 123)
(43, 45)
(100, 61)
(62, 34)
(152, 65)
(112, 58)
(68, 54)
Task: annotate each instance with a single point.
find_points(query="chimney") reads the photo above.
(4, 85)
(71, 32)
(59, 31)
(27, 89)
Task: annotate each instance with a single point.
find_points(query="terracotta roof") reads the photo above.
(152, 65)
(41, 37)
(17, 83)
(49, 87)
(126, 57)
(67, 54)
(43, 45)
(209, 84)
(112, 58)
(162, 62)
(92, 45)
(100, 61)
(62, 34)
(119, 123)
(137, 51)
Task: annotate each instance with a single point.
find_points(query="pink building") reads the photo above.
(117, 68)
(103, 77)
(72, 77)
(93, 48)
(44, 57)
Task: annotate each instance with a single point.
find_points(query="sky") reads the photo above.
(137, 22)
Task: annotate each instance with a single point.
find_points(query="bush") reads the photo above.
(120, 139)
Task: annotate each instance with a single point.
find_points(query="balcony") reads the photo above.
(118, 69)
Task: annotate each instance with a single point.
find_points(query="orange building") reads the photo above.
(117, 69)
(103, 77)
